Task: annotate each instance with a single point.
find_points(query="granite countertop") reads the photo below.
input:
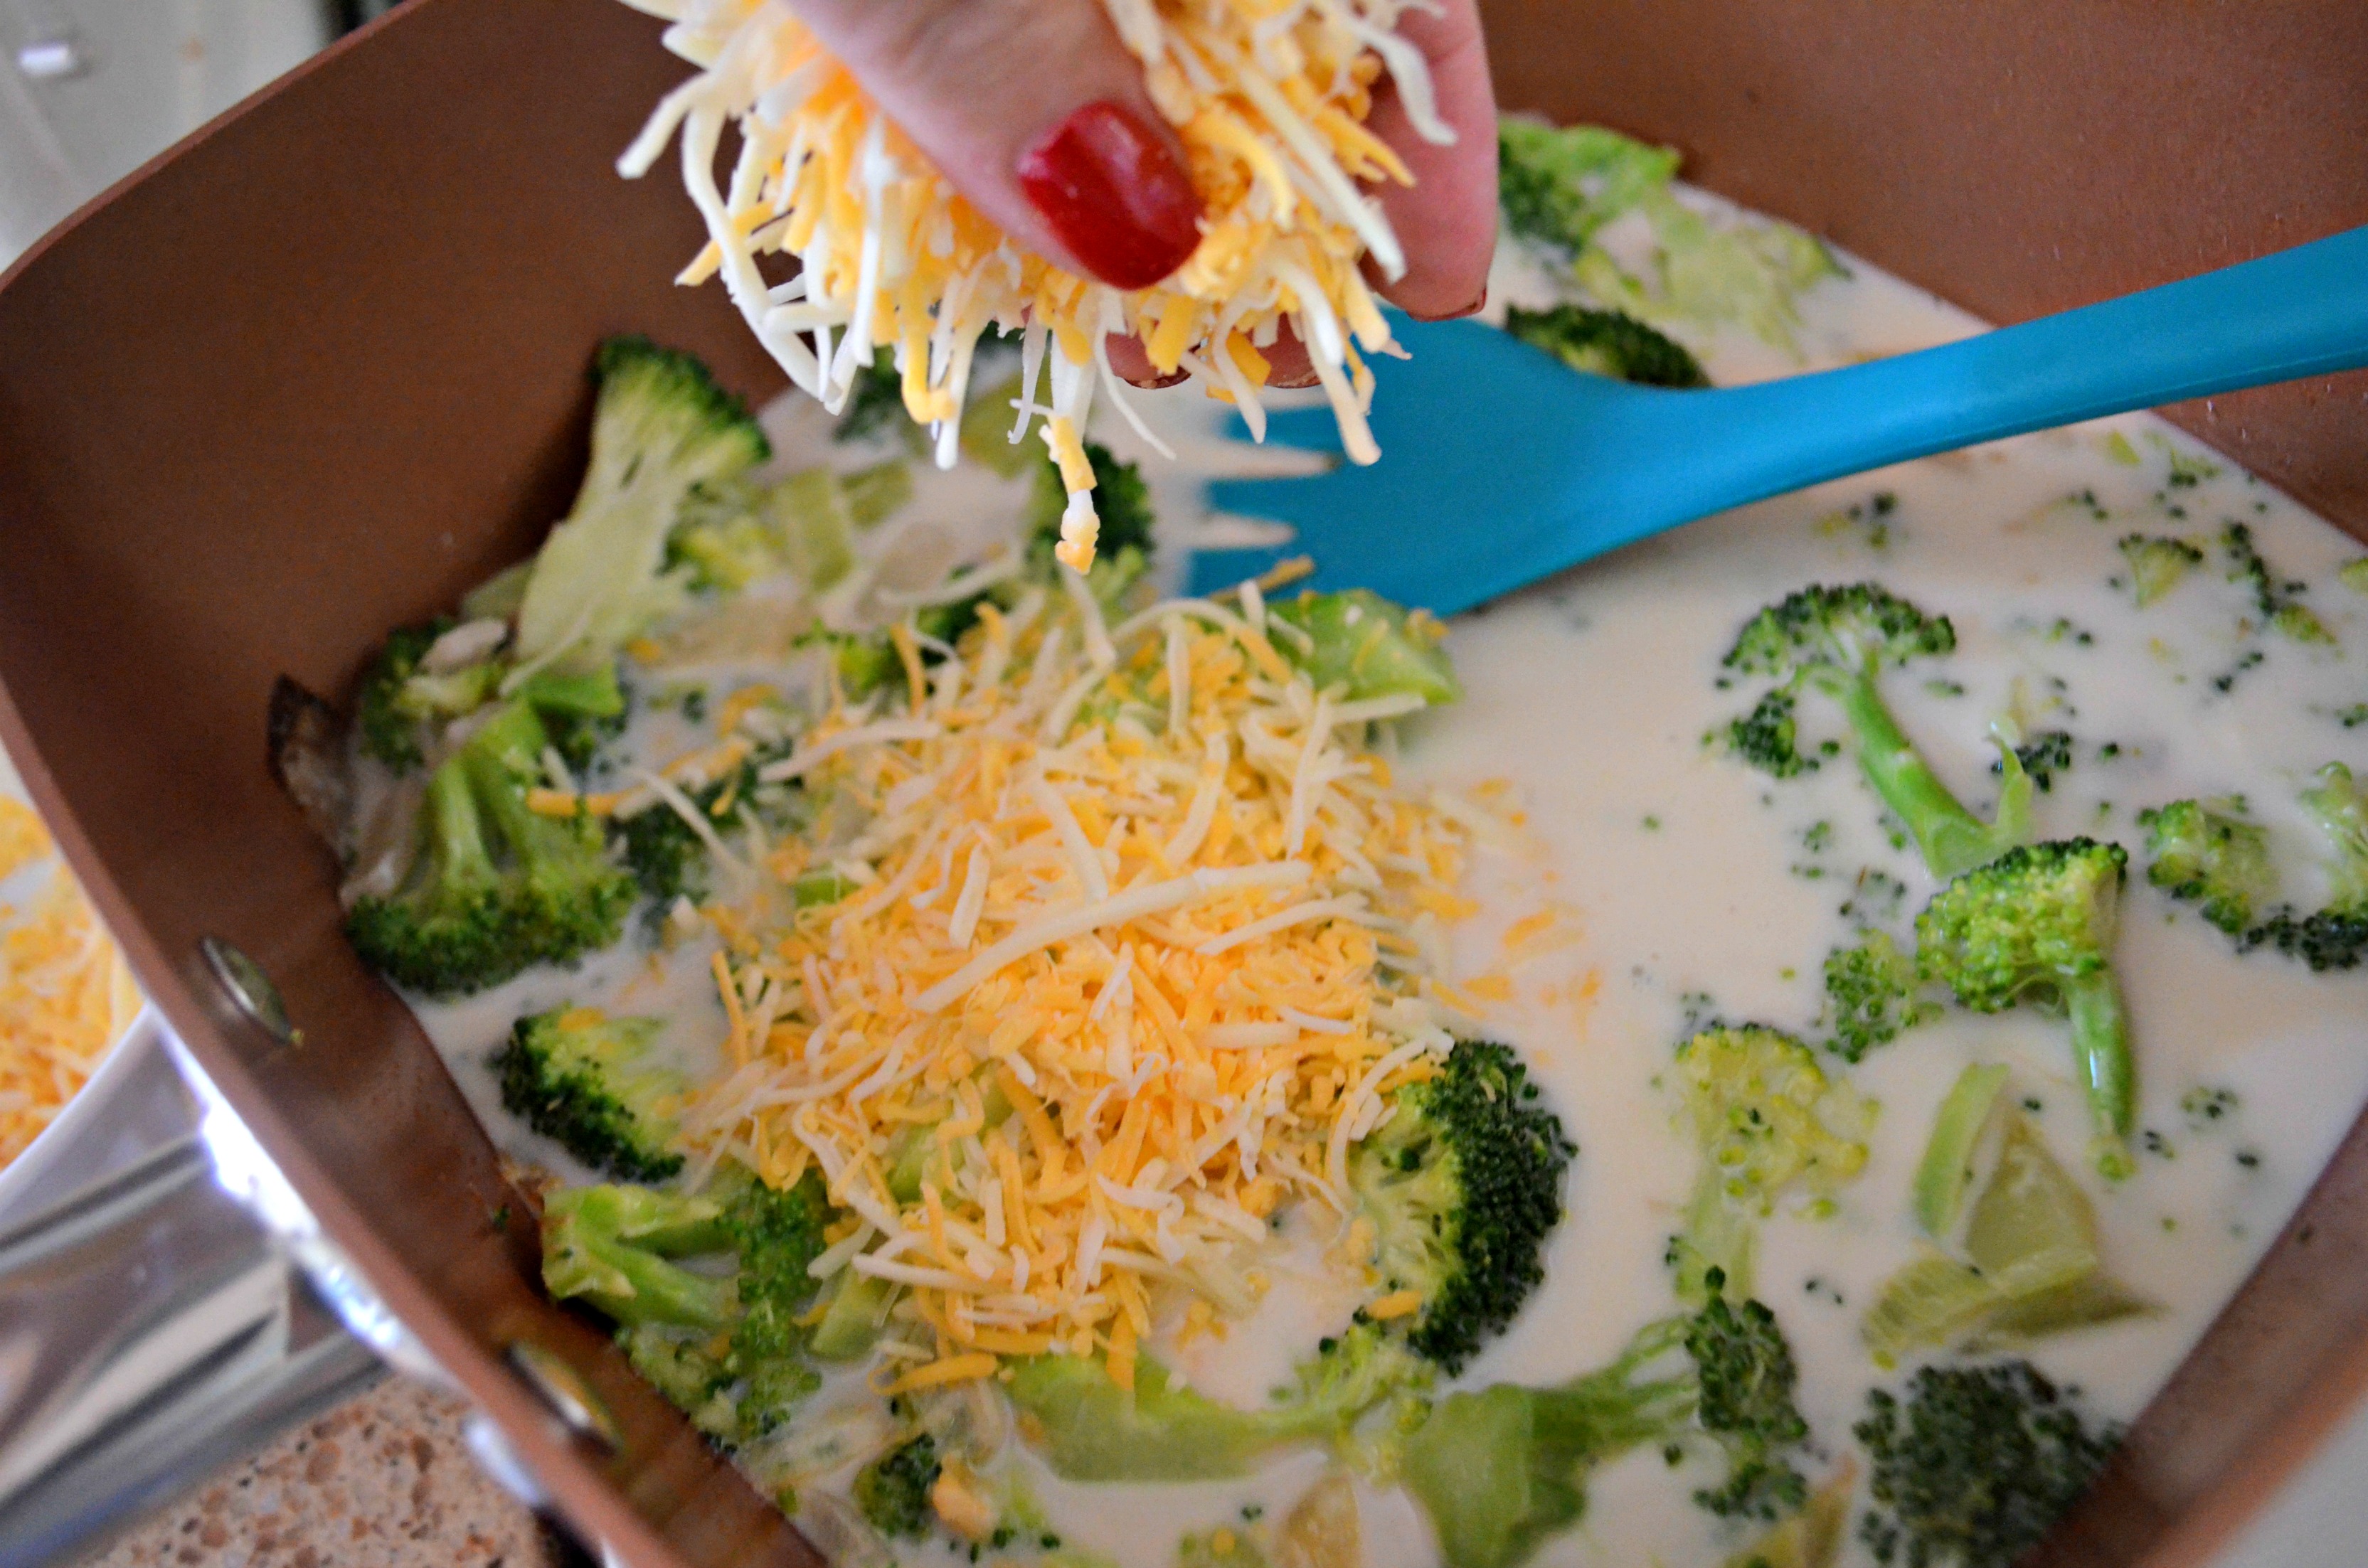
(379, 1481)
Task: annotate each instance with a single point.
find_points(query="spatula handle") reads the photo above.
(2298, 313)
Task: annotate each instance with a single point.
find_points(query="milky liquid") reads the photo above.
(1686, 875)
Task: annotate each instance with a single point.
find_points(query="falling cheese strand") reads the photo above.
(1087, 974)
(1269, 99)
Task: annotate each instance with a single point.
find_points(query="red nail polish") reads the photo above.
(1114, 194)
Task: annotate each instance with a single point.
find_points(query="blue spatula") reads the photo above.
(1500, 465)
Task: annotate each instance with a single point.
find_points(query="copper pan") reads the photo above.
(321, 368)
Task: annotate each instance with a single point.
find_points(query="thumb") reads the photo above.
(1037, 113)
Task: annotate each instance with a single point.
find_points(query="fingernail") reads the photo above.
(1114, 194)
(1479, 302)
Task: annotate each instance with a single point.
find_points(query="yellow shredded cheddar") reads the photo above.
(65, 992)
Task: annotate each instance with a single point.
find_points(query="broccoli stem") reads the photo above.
(456, 832)
(1951, 839)
(2100, 1054)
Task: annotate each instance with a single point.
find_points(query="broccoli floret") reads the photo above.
(2354, 576)
(1768, 737)
(575, 1075)
(661, 429)
(495, 887)
(2042, 757)
(2335, 936)
(667, 856)
(617, 1248)
(1837, 640)
(1976, 1467)
(875, 400)
(2274, 600)
(1462, 1185)
(1769, 1123)
(2158, 564)
(2211, 859)
(1606, 343)
(389, 730)
(579, 712)
(1089, 1428)
(2038, 924)
(1871, 996)
(1501, 1470)
(1562, 185)
(893, 1490)
(1362, 644)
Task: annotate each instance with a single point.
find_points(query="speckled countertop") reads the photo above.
(379, 1481)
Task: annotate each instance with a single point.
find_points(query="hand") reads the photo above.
(1037, 113)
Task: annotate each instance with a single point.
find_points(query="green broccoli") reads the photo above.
(1365, 645)
(1462, 1185)
(1768, 737)
(2354, 576)
(2275, 601)
(701, 1334)
(667, 856)
(1837, 639)
(893, 1490)
(494, 887)
(2211, 859)
(1501, 1470)
(1975, 1468)
(2158, 564)
(2335, 935)
(662, 429)
(877, 492)
(1768, 1122)
(386, 722)
(2038, 924)
(1562, 185)
(1871, 996)
(731, 533)
(1606, 343)
(575, 1075)
(2016, 1254)
(1089, 1428)
(875, 401)
(2042, 757)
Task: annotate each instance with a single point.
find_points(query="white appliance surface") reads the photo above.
(89, 89)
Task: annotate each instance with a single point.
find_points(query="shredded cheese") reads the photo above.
(65, 992)
(1121, 985)
(1268, 98)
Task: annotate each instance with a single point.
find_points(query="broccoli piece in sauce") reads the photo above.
(1837, 640)
(2158, 564)
(1871, 996)
(893, 1490)
(2038, 924)
(1606, 343)
(1976, 1466)
(575, 1075)
(2210, 859)
(494, 886)
(2335, 936)
(1361, 644)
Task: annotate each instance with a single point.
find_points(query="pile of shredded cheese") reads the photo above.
(1270, 98)
(65, 992)
(1142, 934)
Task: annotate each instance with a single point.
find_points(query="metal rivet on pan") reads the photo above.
(564, 1391)
(249, 989)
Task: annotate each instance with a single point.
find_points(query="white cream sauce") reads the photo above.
(1685, 872)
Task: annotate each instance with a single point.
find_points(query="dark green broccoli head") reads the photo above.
(495, 887)
(1853, 629)
(2042, 757)
(1462, 1185)
(2333, 936)
(389, 730)
(1976, 1467)
(1748, 1382)
(2022, 925)
(1871, 996)
(575, 1075)
(893, 1490)
(2158, 564)
(1366, 646)
(1768, 737)
(874, 403)
(776, 1233)
(667, 392)
(2210, 859)
(1607, 343)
